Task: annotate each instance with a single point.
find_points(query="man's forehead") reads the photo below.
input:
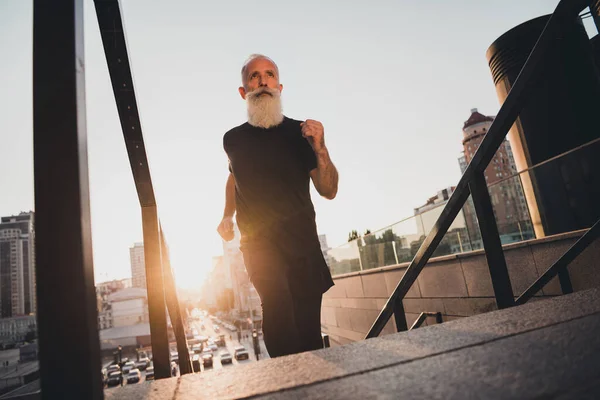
(261, 64)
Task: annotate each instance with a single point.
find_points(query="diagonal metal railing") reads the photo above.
(473, 181)
(160, 284)
(560, 265)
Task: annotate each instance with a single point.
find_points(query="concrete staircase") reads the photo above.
(546, 349)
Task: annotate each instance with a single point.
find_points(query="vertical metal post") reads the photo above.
(399, 315)
(565, 281)
(156, 293)
(185, 363)
(438, 318)
(326, 342)
(66, 308)
(491, 241)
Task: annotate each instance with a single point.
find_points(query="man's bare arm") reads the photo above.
(229, 196)
(325, 176)
(225, 228)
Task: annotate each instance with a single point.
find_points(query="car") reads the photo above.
(113, 368)
(196, 362)
(202, 327)
(129, 365)
(213, 347)
(150, 373)
(134, 376)
(142, 363)
(226, 357)
(241, 353)
(114, 378)
(216, 328)
(197, 348)
(175, 357)
(207, 360)
(221, 341)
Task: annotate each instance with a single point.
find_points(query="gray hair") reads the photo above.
(252, 58)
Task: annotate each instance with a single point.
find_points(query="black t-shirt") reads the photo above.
(272, 175)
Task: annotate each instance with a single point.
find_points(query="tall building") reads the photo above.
(17, 265)
(104, 306)
(245, 298)
(138, 265)
(506, 191)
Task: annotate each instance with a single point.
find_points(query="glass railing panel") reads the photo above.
(392, 245)
(557, 196)
(344, 259)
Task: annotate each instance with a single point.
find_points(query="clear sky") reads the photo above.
(391, 81)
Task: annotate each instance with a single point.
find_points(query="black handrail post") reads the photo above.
(565, 281)
(326, 341)
(491, 242)
(438, 317)
(185, 363)
(66, 301)
(156, 293)
(400, 315)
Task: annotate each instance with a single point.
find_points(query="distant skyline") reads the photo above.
(392, 83)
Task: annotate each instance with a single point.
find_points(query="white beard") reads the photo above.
(264, 111)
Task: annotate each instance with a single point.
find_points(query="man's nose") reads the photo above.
(262, 81)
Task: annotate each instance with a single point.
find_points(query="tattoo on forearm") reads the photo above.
(327, 174)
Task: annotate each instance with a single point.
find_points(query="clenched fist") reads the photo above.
(225, 229)
(315, 134)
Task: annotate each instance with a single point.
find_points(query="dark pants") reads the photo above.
(291, 312)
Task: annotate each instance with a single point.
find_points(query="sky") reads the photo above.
(391, 81)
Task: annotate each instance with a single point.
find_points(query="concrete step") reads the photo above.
(545, 349)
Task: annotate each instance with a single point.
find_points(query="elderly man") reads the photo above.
(272, 159)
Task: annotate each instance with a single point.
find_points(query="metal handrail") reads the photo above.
(561, 264)
(423, 316)
(471, 179)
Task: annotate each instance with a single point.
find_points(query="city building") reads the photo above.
(17, 265)
(456, 240)
(129, 307)
(104, 306)
(138, 265)
(15, 329)
(246, 299)
(504, 186)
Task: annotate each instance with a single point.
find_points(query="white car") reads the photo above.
(226, 358)
(241, 353)
(129, 365)
(134, 376)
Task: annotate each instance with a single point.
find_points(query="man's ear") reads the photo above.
(280, 88)
(242, 92)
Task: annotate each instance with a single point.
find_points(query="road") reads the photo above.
(231, 343)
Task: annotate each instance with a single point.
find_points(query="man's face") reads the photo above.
(260, 73)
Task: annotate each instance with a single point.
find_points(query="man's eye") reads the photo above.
(270, 74)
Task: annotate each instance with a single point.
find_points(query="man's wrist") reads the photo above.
(322, 152)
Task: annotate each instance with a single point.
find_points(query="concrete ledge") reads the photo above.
(539, 350)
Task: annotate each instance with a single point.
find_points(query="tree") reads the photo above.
(353, 235)
(31, 334)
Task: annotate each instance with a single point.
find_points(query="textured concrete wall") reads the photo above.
(457, 286)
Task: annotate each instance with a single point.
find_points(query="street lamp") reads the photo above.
(255, 343)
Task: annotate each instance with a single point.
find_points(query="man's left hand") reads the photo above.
(315, 134)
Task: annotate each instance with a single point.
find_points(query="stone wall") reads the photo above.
(458, 286)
